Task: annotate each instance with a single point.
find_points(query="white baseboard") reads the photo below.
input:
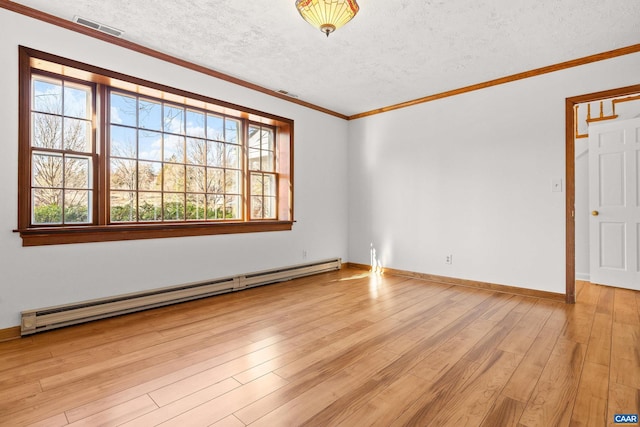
(583, 276)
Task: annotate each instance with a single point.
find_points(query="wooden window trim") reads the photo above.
(100, 231)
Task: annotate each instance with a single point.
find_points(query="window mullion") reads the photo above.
(101, 183)
(246, 190)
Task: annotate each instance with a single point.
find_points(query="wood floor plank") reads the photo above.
(473, 308)
(230, 421)
(318, 341)
(476, 397)
(552, 400)
(58, 420)
(599, 349)
(184, 404)
(525, 331)
(526, 376)
(298, 410)
(352, 349)
(402, 366)
(625, 307)
(190, 365)
(578, 325)
(590, 408)
(444, 356)
(225, 405)
(605, 299)
(385, 407)
(622, 400)
(119, 414)
(625, 354)
(505, 412)
(48, 403)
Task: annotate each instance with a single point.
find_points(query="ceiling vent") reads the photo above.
(98, 26)
(289, 94)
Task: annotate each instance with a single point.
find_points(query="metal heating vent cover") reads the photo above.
(98, 26)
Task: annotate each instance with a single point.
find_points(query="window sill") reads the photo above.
(60, 236)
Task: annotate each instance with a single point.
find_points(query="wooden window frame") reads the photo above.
(32, 61)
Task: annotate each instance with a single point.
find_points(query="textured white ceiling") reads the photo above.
(392, 51)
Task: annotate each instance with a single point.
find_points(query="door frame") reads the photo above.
(570, 178)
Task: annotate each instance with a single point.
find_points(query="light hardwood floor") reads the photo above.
(345, 348)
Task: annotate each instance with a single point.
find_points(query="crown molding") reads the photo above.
(70, 25)
(54, 20)
(507, 79)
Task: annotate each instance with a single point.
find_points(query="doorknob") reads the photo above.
(594, 213)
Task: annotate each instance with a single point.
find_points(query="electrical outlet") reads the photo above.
(449, 259)
(304, 254)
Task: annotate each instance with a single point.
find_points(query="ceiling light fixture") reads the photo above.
(327, 15)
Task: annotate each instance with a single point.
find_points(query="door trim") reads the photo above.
(570, 179)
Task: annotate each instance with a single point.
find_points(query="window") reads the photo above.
(110, 157)
(62, 152)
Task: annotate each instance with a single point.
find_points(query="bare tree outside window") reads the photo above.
(61, 152)
(104, 156)
(172, 163)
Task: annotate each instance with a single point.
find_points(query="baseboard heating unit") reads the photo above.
(43, 319)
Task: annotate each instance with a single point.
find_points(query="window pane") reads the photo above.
(232, 130)
(215, 180)
(123, 206)
(269, 185)
(173, 177)
(268, 161)
(254, 159)
(47, 95)
(256, 184)
(150, 145)
(77, 135)
(123, 109)
(150, 206)
(196, 205)
(77, 172)
(150, 114)
(173, 207)
(215, 127)
(195, 124)
(254, 137)
(256, 207)
(232, 182)
(46, 205)
(123, 142)
(173, 119)
(77, 101)
(196, 182)
(215, 154)
(149, 176)
(173, 148)
(196, 151)
(46, 131)
(47, 170)
(232, 156)
(269, 207)
(233, 208)
(77, 207)
(123, 174)
(267, 139)
(215, 206)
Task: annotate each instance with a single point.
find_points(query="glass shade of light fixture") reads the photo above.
(327, 15)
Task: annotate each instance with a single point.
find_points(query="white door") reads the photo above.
(614, 200)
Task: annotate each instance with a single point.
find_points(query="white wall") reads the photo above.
(471, 176)
(50, 275)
